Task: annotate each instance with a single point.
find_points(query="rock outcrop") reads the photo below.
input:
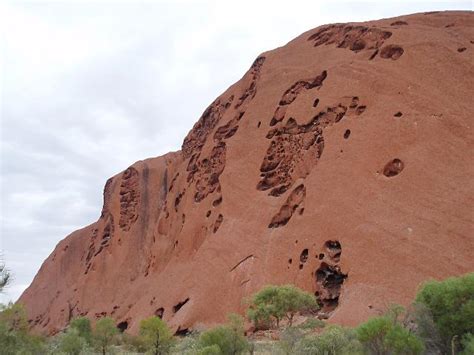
(341, 162)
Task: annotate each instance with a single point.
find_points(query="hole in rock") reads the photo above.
(374, 54)
(181, 332)
(329, 280)
(461, 49)
(347, 133)
(360, 109)
(393, 168)
(301, 266)
(178, 306)
(334, 250)
(304, 255)
(391, 51)
(159, 312)
(208, 214)
(321, 256)
(398, 114)
(122, 326)
(290, 261)
(217, 202)
(315, 103)
(218, 223)
(358, 45)
(398, 23)
(258, 124)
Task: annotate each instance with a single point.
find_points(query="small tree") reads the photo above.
(155, 335)
(381, 335)
(334, 340)
(14, 317)
(14, 336)
(104, 334)
(278, 302)
(228, 339)
(451, 304)
(71, 342)
(468, 344)
(289, 339)
(83, 327)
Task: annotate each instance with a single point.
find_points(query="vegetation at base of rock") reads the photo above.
(334, 340)
(225, 339)
(273, 303)
(451, 305)
(105, 333)
(155, 336)
(70, 342)
(440, 321)
(83, 327)
(14, 335)
(381, 335)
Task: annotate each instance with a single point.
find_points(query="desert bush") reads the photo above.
(14, 335)
(451, 305)
(289, 339)
(83, 327)
(468, 344)
(187, 345)
(381, 335)
(273, 303)
(334, 340)
(71, 342)
(226, 339)
(155, 336)
(104, 334)
(311, 324)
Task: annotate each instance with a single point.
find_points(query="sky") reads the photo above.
(89, 87)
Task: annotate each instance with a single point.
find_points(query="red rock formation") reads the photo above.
(349, 149)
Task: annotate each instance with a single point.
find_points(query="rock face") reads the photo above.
(341, 162)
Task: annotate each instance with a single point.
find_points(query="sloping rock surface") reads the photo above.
(341, 162)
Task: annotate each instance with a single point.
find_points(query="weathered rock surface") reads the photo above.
(341, 162)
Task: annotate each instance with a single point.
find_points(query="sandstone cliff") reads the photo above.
(341, 162)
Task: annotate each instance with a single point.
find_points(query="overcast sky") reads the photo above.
(87, 88)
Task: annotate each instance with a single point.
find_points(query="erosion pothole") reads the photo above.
(393, 168)
(329, 280)
(304, 255)
(179, 305)
(122, 326)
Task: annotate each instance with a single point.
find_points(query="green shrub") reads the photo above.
(71, 342)
(210, 350)
(187, 345)
(312, 323)
(381, 335)
(83, 327)
(14, 336)
(289, 339)
(468, 344)
(334, 340)
(227, 339)
(104, 334)
(155, 336)
(273, 303)
(451, 304)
